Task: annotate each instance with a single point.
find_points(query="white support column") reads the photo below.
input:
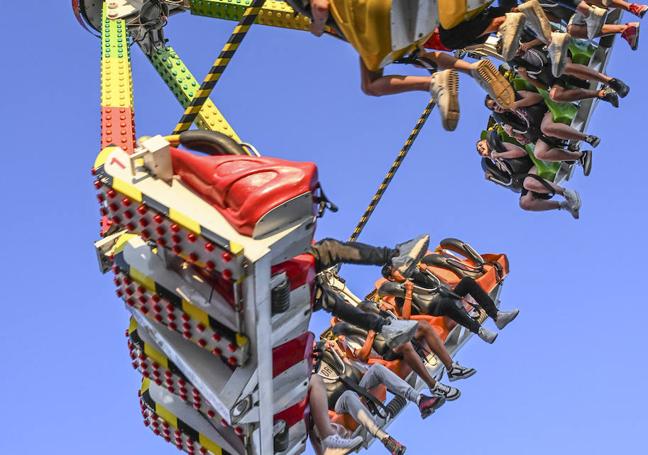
(259, 329)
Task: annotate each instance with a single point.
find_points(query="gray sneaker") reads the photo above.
(510, 32)
(397, 332)
(586, 162)
(536, 20)
(337, 445)
(595, 21)
(487, 335)
(444, 89)
(410, 254)
(505, 317)
(572, 203)
(445, 391)
(558, 52)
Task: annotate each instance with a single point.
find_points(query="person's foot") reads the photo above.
(394, 447)
(572, 203)
(457, 372)
(445, 391)
(586, 161)
(505, 317)
(337, 445)
(444, 89)
(631, 35)
(619, 86)
(397, 332)
(427, 405)
(592, 140)
(638, 10)
(410, 254)
(609, 96)
(595, 21)
(487, 335)
(493, 82)
(510, 32)
(536, 20)
(558, 50)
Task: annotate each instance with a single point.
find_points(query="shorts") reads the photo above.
(545, 196)
(470, 32)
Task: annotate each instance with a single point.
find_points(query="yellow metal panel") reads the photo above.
(126, 189)
(195, 313)
(209, 444)
(116, 83)
(142, 279)
(184, 221)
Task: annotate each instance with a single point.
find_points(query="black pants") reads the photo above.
(329, 253)
(446, 305)
(470, 32)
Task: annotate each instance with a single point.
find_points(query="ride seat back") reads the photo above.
(454, 12)
(412, 20)
(257, 195)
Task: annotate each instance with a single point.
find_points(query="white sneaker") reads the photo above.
(457, 372)
(505, 317)
(536, 20)
(558, 52)
(337, 445)
(444, 89)
(510, 32)
(595, 21)
(445, 391)
(487, 335)
(573, 202)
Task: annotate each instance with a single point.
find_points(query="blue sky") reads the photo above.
(568, 377)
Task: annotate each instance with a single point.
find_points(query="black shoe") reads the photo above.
(620, 87)
(610, 96)
(592, 140)
(394, 447)
(586, 162)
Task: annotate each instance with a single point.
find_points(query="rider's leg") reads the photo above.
(467, 286)
(350, 403)
(560, 131)
(545, 152)
(411, 358)
(375, 83)
(330, 252)
(426, 332)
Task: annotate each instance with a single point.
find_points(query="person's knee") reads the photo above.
(556, 94)
(369, 88)
(526, 203)
(542, 154)
(341, 406)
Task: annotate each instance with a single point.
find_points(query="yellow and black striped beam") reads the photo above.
(219, 66)
(392, 171)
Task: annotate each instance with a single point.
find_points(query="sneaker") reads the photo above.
(505, 317)
(427, 405)
(536, 20)
(457, 372)
(609, 96)
(510, 32)
(572, 203)
(394, 447)
(586, 162)
(620, 87)
(558, 50)
(631, 35)
(445, 391)
(595, 21)
(487, 335)
(397, 332)
(445, 93)
(410, 254)
(493, 82)
(337, 445)
(592, 140)
(638, 10)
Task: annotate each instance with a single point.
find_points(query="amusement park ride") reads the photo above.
(205, 238)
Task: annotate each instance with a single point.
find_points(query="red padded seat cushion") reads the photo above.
(244, 188)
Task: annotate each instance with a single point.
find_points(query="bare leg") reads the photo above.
(446, 61)
(426, 332)
(586, 73)
(580, 31)
(532, 204)
(563, 95)
(625, 6)
(494, 25)
(532, 184)
(544, 152)
(374, 83)
(560, 130)
(415, 363)
(318, 402)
